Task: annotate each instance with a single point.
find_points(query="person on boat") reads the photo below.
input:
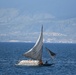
(40, 62)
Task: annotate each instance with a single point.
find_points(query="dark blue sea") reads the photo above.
(11, 53)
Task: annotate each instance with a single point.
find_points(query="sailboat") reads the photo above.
(35, 53)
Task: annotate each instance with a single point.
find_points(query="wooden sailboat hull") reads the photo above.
(31, 63)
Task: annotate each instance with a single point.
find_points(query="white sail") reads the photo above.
(36, 51)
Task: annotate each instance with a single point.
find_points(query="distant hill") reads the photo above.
(16, 27)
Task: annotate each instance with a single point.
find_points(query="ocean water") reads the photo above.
(11, 53)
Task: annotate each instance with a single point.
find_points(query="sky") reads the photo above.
(59, 8)
(21, 20)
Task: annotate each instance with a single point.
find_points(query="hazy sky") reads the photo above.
(59, 8)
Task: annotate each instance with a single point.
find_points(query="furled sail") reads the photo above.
(51, 53)
(36, 51)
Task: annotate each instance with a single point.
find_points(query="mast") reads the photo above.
(36, 51)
